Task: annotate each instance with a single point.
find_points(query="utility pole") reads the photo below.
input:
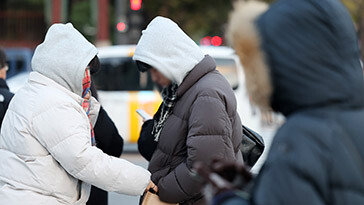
(136, 20)
(56, 11)
(122, 26)
(103, 38)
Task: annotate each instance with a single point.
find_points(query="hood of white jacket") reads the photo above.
(168, 49)
(63, 56)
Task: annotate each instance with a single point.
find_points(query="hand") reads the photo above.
(152, 186)
(213, 180)
(230, 170)
(223, 175)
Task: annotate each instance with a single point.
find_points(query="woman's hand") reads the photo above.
(152, 186)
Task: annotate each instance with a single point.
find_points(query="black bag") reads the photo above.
(252, 146)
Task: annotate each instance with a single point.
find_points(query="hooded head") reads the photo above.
(64, 56)
(305, 53)
(165, 47)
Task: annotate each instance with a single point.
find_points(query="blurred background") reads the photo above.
(23, 23)
(115, 26)
(107, 22)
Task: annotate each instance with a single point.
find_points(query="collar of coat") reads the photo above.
(3, 84)
(35, 77)
(206, 65)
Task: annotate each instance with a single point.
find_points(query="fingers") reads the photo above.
(149, 186)
(155, 189)
(152, 187)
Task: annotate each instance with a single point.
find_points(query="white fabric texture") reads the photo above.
(46, 156)
(168, 49)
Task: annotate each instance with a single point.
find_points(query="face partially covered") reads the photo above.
(159, 78)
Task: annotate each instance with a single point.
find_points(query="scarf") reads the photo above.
(86, 104)
(169, 99)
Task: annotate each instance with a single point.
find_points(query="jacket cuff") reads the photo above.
(179, 185)
(170, 190)
(188, 180)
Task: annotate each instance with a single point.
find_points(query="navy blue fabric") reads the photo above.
(229, 198)
(317, 155)
(4, 91)
(313, 55)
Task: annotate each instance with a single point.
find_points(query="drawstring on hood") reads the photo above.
(63, 56)
(168, 49)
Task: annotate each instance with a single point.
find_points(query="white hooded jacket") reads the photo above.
(46, 156)
(168, 49)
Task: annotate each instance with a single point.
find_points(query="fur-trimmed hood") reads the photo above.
(244, 37)
(298, 54)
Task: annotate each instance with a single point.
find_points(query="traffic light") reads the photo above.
(208, 41)
(129, 21)
(135, 5)
(216, 41)
(121, 27)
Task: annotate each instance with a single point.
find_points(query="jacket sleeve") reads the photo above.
(107, 136)
(146, 143)
(208, 138)
(65, 132)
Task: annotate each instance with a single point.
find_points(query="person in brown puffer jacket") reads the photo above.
(197, 120)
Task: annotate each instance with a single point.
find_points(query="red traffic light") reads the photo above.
(135, 5)
(208, 41)
(121, 26)
(216, 41)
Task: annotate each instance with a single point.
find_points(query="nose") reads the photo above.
(154, 78)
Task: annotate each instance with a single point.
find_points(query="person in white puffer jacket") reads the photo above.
(46, 152)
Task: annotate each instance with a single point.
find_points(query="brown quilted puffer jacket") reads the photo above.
(204, 125)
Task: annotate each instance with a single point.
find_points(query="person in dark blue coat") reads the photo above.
(107, 139)
(5, 94)
(301, 58)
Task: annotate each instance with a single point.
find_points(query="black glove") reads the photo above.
(224, 176)
(146, 143)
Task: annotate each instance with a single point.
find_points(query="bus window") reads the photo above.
(228, 69)
(121, 74)
(18, 60)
